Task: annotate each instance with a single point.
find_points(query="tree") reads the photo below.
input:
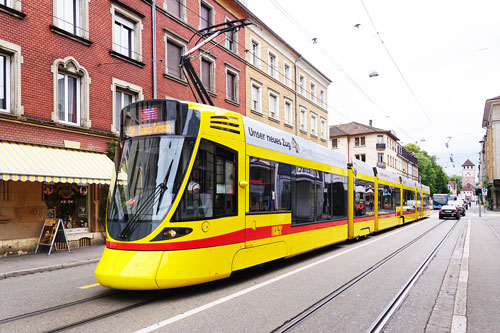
(431, 174)
(458, 180)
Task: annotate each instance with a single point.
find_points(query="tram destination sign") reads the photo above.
(265, 136)
(153, 128)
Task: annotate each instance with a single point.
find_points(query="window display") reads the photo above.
(69, 203)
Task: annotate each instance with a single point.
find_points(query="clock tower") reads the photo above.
(468, 174)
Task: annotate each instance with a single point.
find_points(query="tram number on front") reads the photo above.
(276, 230)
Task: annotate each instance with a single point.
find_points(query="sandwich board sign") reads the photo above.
(52, 231)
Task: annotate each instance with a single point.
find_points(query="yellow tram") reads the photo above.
(201, 192)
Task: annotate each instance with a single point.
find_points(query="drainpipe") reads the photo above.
(153, 27)
(296, 98)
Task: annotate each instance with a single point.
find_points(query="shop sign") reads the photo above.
(52, 231)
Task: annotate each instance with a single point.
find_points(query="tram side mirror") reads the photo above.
(243, 183)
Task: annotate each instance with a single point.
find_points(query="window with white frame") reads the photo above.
(302, 85)
(322, 98)
(255, 53)
(313, 92)
(273, 105)
(71, 93)
(231, 85)
(10, 78)
(256, 97)
(5, 78)
(314, 124)
(68, 98)
(176, 8)
(323, 128)
(335, 143)
(206, 15)
(231, 39)
(124, 93)
(288, 112)
(174, 49)
(380, 157)
(208, 73)
(7, 3)
(303, 119)
(287, 73)
(68, 16)
(380, 139)
(125, 34)
(71, 16)
(127, 29)
(272, 65)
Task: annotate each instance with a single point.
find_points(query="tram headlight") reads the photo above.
(170, 233)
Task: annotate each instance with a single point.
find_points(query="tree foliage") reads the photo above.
(431, 174)
(458, 180)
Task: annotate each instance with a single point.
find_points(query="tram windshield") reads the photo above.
(151, 171)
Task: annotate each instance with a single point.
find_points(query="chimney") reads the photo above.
(370, 122)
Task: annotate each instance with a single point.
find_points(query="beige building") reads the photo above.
(375, 146)
(490, 152)
(283, 89)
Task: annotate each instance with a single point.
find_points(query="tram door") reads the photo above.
(260, 201)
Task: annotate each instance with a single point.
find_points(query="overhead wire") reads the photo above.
(104, 38)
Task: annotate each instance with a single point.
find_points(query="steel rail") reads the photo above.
(293, 322)
(57, 307)
(379, 324)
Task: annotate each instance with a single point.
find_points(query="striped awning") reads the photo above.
(35, 163)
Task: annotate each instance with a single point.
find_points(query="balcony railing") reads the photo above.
(381, 165)
(380, 146)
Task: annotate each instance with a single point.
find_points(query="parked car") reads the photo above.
(449, 211)
(460, 204)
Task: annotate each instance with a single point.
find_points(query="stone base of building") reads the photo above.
(28, 245)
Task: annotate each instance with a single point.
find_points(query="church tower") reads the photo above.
(468, 174)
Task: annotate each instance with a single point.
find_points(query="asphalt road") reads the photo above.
(261, 299)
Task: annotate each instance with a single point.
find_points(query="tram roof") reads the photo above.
(268, 137)
(362, 168)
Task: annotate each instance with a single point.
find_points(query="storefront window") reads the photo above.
(68, 202)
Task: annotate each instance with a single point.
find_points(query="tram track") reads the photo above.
(61, 307)
(394, 304)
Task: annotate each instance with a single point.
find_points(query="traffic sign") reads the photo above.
(485, 191)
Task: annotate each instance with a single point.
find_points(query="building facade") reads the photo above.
(62, 87)
(375, 146)
(491, 149)
(284, 90)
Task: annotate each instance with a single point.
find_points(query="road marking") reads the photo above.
(89, 286)
(260, 285)
(459, 321)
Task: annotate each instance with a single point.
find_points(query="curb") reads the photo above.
(46, 268)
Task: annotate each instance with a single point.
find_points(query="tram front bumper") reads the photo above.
(130, 270)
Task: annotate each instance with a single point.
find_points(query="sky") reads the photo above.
(437, 64)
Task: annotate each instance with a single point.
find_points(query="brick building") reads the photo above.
(66, 69)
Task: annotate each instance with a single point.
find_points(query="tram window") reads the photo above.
(334, 193)
(419, 200)
(426, 200)
(211, 189)
(261, 185)
(397, 197)
(364, 198)
(225, 196)
(386, 199)
(409, 199)
(283, 186)
(320, 199)
(303, 198)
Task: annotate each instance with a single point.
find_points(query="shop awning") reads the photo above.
(25, 162)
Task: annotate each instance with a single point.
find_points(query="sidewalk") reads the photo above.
(40, 262)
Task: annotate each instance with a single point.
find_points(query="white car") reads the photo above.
(460, 204)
